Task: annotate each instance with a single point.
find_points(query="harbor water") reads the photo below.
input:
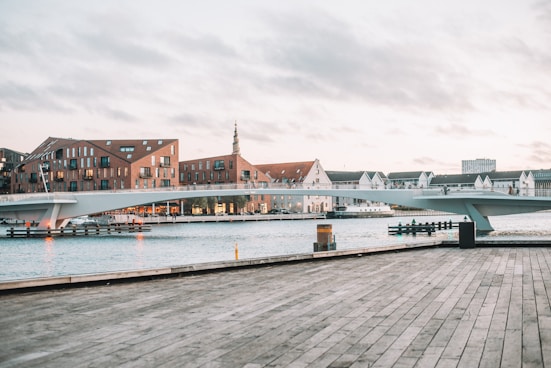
(190, 243)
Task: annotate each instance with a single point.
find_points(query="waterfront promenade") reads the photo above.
(430, 307)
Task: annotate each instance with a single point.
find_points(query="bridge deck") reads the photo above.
(441, 307)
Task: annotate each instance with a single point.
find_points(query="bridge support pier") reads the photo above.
(50, 217)
(482, 222)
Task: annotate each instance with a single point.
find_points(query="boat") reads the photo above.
(83, 221)
(361, 211)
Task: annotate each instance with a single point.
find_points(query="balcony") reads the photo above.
(145, 172)
(88, 177)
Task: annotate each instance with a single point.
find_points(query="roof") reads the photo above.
(291, 171)
(454, 179)
(541, 174)
(503, 175)
(405, 175)
(51, 144)
(371, 174)
(339, 176)
(142, 147)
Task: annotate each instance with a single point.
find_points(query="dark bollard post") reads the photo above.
(439, 225)
(74, 230)
(85, 229)
(97, 229)
(400, 228)
(451, 227)
(11, 232)
(61, 231)
(466, 235)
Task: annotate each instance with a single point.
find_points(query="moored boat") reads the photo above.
(361, 211)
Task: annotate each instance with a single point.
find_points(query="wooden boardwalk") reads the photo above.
(441, 307)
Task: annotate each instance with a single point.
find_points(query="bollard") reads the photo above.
(11, 232)
(467, 235)
(325, 240)
(236, 250)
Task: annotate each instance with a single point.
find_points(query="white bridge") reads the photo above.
(52, 209)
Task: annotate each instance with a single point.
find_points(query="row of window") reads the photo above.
(217, 165)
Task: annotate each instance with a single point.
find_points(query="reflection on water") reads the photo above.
(180, 244)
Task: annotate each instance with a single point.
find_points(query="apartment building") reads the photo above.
(70, 165)
(8, 161)
(224, 170)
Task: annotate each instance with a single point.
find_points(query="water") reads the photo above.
(182, 244)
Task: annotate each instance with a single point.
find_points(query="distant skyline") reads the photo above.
(360, 85)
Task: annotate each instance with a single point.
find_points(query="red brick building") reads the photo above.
(69, 165)
(227, 169)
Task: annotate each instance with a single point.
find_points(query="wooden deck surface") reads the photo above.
(441, 307)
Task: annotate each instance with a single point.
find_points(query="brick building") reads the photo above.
(69, 165)
(8, 161)
(226, 169)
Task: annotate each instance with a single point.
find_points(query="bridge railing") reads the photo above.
(525, 192)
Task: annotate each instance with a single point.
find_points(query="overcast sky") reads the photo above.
(395, 85)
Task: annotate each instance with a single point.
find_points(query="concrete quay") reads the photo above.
(440, 306)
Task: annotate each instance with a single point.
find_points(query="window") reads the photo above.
(73, 186)
(245, 175)
(145, 172)
(165, 161)
(127, 149)
(219, 165)
(88, 174)
(231, 164)
(165, 183)
(129, 156)
(105, 161)
(144, 143)
(73, 164)
(108, 143)
(159, 142)
(104, 185)
(200, 165)
(208, 165)
(153, 160)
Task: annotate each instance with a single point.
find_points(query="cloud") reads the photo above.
(540, 152)
(321, 54)
(460, 131)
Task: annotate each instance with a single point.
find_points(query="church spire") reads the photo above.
(236, 150)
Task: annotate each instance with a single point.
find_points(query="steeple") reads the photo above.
(236, 150)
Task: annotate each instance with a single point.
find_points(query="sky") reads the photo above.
(372, 85)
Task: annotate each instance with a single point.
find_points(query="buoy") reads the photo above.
(236, 252)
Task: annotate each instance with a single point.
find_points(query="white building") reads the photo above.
(480, 165)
